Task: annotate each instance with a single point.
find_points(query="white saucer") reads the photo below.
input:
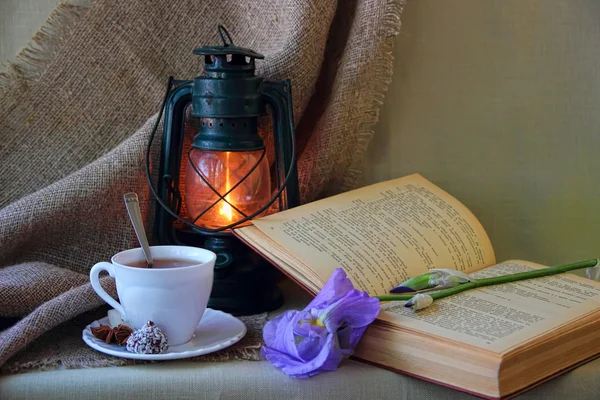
(217, 330)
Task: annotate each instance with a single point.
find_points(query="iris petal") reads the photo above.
(305, 343)
(305, 324)
(355, 310)
(337, 286)
(278, 333)
(327, 359)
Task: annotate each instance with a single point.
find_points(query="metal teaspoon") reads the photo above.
(133, 209)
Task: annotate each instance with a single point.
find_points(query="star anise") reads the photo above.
(110, 336)
(103, 332)
(122, 333)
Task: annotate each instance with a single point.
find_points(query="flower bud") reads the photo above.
(447, 278)
(419, 301)
(593, 272)
(417, 283)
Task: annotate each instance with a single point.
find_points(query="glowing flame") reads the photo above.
(225, 208)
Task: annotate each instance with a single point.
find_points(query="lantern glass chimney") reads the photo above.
(227, 188)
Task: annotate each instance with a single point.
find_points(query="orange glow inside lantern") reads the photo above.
(232, 185)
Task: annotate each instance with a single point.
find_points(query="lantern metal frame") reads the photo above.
(216, 99)
(172, 187)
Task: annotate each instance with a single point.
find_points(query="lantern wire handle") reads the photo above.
(223, 32)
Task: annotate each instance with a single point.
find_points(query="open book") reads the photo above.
(494, 341)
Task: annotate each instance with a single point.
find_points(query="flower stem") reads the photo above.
(558, 269)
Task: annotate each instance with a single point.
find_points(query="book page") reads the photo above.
(499, 317)
(270, 250)
(382, 234)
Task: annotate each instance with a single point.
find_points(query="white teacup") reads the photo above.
(173, 298)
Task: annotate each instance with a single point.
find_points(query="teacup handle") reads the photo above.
(94, 279)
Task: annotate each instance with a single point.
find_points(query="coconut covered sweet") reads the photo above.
(149, 339)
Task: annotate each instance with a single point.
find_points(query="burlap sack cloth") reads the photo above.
(75, 114)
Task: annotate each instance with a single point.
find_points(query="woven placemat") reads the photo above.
(63, 348)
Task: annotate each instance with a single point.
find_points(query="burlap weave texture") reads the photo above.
(76, 110)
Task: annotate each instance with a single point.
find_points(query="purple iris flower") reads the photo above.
(305, 343)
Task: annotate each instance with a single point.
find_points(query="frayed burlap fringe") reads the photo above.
(75, 115)
(383, 65)
(30, 63)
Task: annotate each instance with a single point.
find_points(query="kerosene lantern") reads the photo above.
(220, 177)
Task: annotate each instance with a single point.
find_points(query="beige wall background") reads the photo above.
(496, 101)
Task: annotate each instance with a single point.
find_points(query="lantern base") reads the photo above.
(247, 301)
(244, 282)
